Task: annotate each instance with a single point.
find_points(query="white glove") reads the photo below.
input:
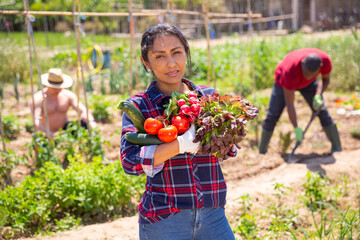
(186, 141)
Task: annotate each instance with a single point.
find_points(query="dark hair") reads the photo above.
(312, 63)
(162, 29)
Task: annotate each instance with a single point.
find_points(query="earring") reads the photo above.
(149, 70)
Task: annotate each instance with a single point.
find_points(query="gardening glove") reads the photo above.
(298, 134)
(186, 143)
(317, 102)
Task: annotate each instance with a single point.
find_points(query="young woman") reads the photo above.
(185, 192)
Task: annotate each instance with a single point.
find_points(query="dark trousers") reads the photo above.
(277, 105)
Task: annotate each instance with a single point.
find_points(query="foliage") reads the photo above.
(284, 141)
(233, 63)
(275, 220)
(246, 222)
(261, 101)
(100, 108)
(65, 59)
(355, 132)
(344, 51)
(11, 126)
(29, 127)
(73, 141)
(13, 61)
(57, 199)
(76, 140)
(42, 150)
(318, 192)
(9, 160)
(222, 123)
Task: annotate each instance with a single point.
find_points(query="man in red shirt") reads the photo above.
(298, 72)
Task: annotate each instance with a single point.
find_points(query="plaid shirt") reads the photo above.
(185, 181)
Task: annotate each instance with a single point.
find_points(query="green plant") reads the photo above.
(246, 222)
(29, 127)
(315, 191)
(11, 126)
(12, 62)
(284, 142)
(3, 217)
(58, 199)
(261, 101)
(77, 140)
(9, 161)
(100, 108)
(65, 59)
(355, 132)
(42, 149)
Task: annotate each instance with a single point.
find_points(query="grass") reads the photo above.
(61, 40)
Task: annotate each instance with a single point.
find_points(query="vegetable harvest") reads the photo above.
(222, 123)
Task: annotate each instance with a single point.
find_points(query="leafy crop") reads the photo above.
(222, 123)
(9, 160)
(355, 132)
(57, 199)
(74, 140)
(11, 126)
(100, 108)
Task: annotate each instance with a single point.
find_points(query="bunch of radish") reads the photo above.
(182, 110)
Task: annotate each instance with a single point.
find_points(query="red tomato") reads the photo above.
(168, 134)
(152, 125)
(181, 122)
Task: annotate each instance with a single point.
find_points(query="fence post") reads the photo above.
(205, 8)
(76, 20)
(295, 11)
(131, 29)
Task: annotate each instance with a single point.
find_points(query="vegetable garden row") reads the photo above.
(32, 206)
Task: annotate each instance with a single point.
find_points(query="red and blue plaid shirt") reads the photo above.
(185, 181)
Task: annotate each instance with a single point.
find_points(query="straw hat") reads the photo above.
(56, 79)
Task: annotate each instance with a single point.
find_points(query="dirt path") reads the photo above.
(257, 186)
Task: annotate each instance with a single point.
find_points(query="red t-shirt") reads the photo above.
(288, 73)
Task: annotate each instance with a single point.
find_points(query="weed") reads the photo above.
(100, 108)
(9, 161)
(355, 132)
(11, 126)
(284, 142)
(58, 199)
(314, 191)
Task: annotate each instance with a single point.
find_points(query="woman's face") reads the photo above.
(167, 60)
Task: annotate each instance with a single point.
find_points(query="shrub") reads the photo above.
(65, 58)
(74, 140)
(29, 127)
(11, 126)
(355, 132)
(9, 160)
(100, 108)
(57, 199)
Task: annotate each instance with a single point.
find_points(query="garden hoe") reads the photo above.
(291, 157)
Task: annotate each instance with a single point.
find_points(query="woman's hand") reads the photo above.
(186, 143)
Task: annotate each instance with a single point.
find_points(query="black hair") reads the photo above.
(312, 63)
(162, 29)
